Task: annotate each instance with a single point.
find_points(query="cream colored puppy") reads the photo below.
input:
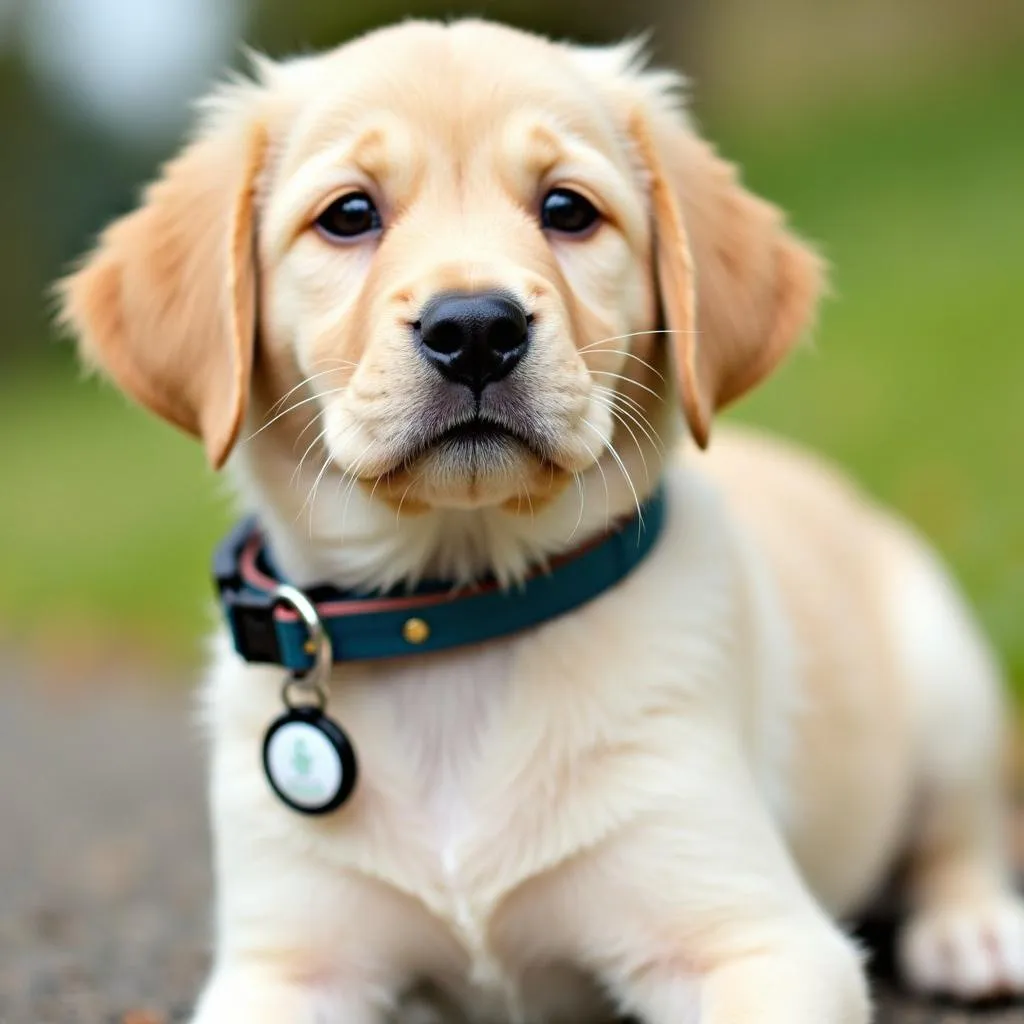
(660, 803)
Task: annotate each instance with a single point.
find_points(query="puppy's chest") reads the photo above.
(434, 743)
(445, 724)
(458, 794)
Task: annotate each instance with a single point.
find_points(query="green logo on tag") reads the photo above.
(302, 762)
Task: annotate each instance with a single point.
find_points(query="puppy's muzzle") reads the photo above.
(474, 339)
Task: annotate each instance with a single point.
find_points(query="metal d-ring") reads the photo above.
(318, 645)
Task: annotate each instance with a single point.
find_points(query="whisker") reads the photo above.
(622, 466)
(353, 475)
(628, 355)
(641, 421)
(323, 433)
(292, 408)
(334, 360)
(302, 432)
(401, 501)
(314, 490)
(639, 449)
(529, 501)
(632, 334)
(312, 445)
(579, 488)
(629, 380)
(652, 437)
(600, 469)
(291, 391)
(629, 400)
(311, 496)
(373, 489)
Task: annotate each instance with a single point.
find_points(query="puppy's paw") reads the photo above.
(257, 995)
(969, 952)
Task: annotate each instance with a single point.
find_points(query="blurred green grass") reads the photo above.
(916, 381)
(108, 523)
(916, 378)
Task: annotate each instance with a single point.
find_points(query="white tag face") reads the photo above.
(304, 766)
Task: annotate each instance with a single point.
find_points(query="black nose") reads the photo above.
(474, 339)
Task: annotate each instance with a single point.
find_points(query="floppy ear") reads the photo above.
(166, 303)
(734, 282)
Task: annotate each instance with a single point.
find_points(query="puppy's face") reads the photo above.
(452, 243)
(448, 234)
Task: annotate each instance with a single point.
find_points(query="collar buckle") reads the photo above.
(318, 646)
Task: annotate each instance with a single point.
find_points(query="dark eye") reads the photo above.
(350, 216)
(568, 211)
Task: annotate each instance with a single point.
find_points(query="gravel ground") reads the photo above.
(104, 882)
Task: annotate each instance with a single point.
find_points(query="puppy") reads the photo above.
(659, 803)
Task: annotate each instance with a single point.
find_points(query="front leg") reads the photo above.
(302, 935)
(261, 993)
(696, 913)
(812, 975)
(725, 930)
(310, 928)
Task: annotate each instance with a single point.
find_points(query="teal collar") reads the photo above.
(433, 617)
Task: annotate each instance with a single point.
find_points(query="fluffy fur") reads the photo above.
(662, 803)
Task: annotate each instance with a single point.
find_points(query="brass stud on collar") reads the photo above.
(415, 631)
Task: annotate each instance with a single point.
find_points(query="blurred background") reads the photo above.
(893, 132)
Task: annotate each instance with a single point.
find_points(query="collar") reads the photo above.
(433, 617)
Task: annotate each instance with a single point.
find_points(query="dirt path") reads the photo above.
(104, 880)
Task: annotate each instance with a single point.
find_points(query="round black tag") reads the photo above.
(309, 761)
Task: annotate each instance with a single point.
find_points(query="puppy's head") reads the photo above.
(452, 246)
